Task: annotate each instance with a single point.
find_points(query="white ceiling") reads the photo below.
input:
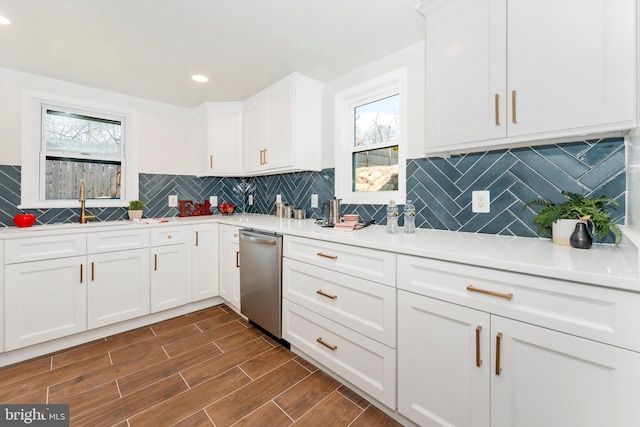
(150, 48)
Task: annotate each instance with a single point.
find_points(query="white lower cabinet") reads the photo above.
(230, 264)
(339, 308)
(117, 286)
(170, 277)
(204, 261)
(44, 300)
(118, 276)
(459, 365)
(364, 362)
(443, 374)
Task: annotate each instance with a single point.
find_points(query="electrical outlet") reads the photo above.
(314, 200)
(250, 199)
(278, 198)
(480, 201)
(213, 200)
(173, 201)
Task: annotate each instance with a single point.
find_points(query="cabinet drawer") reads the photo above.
(162, 236)
(370, 264)
(364, 306)
(599, 314)
(41, 248)
(365, 363)
(118, 240)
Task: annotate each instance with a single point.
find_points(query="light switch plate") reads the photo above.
(173, 201)
(278, 198)
(480, 201)
(314, 200)
(213, 200)
(250, 200)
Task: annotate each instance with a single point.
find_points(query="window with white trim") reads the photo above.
(67, 142)
(370, 149)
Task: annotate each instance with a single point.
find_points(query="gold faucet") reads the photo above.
(83, 214)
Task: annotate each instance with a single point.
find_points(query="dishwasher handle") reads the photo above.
(258, 240)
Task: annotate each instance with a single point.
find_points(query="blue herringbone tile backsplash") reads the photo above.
(441, 188)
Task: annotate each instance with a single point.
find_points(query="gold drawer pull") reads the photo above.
(324, 294)
(492, 293)
(210, 162)
(93, 271)
(169, 236)
(196, 238)
(327, 256)
(80, 273)
(237, 259)
(329, 346)
(498, 340)
(497, 102)
(155, 262)
(514, 96)
(478, 360)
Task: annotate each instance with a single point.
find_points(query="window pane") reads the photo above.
(74, 133)
(376, 170)
(62, 179)
(377, 121)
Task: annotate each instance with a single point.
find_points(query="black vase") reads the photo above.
(580, 238)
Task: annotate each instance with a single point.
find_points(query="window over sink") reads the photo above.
(66, 141)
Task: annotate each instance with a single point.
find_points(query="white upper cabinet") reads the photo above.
(509, 72)
(221, 126)
(282, 127)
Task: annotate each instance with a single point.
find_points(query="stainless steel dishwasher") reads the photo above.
(261, 279)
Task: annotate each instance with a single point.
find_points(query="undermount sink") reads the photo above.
(90, 224)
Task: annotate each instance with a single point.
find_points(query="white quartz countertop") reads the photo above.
(602, 265)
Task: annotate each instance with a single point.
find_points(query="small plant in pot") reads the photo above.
(135, 209)
(591, 210)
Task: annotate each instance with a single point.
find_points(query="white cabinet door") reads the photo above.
(571, 64)
(552, 379)
(230, 265)
(280, 151)
(443, 362)
(256, 134)
(118, 286)
(466, 69)
(223, 138)
(44, 300)
(204, 262)
(170, 280)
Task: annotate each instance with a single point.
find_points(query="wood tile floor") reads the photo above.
(208, 368)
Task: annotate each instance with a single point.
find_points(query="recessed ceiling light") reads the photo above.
(4, 21)
(200, 79)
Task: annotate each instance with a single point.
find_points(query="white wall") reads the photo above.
(412, 58)
(167, 141)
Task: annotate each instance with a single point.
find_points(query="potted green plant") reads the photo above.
(592, 210)
(135, 209)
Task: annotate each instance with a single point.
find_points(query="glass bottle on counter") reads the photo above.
(409, 218)
(392, 217)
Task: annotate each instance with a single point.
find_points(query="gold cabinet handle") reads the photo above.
(93, 270)
(322, 254)
(329, 346)
(324, 294)
(508, 296)
(514, 95)
(169, 237)
(498, 340)
(80, 273)
(235, 234)
(155, 262)
(238, 259)
(210, 162)
(196, 238)
(478, 360)
(265, 156)
(497, 102)
(262, 157)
